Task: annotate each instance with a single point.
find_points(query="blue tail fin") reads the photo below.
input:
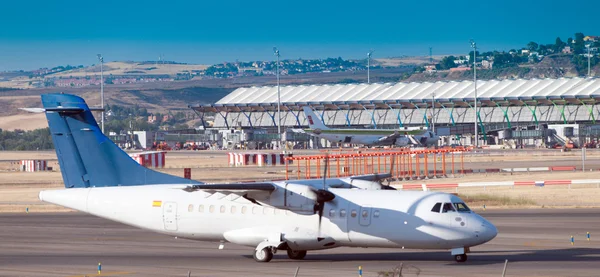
(87, 157)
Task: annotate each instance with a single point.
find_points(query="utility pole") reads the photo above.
(276, 52)
(474, 46)
(430, 55)
(101, 59)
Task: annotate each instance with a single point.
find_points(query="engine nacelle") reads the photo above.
(294, 197)
(401, 141)
(368, 185)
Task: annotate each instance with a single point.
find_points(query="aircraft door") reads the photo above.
(170, 216)
(364, 217)
(348, 139)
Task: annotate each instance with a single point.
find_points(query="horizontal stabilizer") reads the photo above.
(72, 110)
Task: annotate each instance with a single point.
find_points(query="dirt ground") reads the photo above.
(19, 190)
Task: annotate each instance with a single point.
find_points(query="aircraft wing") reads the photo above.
(300, 131)
(390, 136)
(372, 177)
(250, 191)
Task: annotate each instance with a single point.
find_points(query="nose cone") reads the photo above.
(489, 231)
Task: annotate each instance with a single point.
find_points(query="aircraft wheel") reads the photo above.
(460, 258)
(296, 254)
(264, 255)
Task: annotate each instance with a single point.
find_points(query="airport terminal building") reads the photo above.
(502, 105)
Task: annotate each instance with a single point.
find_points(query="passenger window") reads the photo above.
(353, 213)
(365, 214)
(222, 209)
(331, 213)
(254, 210)
(244, 209)
(448, 208)
(211, 209)
(201, 208)
(342, 213)
(190, 208)
(436, 207)
(266, 210)
(376, 213)
(233, 209)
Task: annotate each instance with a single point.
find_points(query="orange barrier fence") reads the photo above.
(405, 164)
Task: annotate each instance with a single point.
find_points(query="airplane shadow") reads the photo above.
(475, 258)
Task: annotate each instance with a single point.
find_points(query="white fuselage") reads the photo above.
(370, 140)
(357, 218)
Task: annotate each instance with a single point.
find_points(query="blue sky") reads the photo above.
(50, 33)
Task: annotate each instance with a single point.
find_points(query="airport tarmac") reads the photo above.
(535, 241)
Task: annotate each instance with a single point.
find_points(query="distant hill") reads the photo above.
(131, 68)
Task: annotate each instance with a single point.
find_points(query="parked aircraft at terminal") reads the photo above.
(294, 216)
(368, 137)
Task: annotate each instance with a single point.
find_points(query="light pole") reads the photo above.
(589, 57)
(433, 112)
(101, 59)
(474, 46)
(369, 66)
(276, 52)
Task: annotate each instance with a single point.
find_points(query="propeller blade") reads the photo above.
(392, 165)
(322, 197)
(321, 207)
(325, 170)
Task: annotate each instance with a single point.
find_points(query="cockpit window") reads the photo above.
(448, 208)
(436, 207)
(461, 207)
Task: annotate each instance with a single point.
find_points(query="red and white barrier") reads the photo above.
(34, 165)
(155, 159)
(495, 184)
(260, 159)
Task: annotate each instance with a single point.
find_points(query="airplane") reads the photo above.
(295, 216)
(369, 137)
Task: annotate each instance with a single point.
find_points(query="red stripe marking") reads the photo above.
(562, 168)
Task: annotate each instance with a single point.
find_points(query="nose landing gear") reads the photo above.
(460, 258)
(460, 254)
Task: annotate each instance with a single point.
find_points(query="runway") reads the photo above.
(536, 242)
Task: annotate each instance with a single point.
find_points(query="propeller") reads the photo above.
(323, 195)
(392, 163)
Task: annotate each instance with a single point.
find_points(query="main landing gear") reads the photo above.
(296, 254)
(265, 254)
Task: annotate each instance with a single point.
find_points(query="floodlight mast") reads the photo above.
(474, 46)
(101, 59)
(369, 65)
(276, 52)
(589, 57)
